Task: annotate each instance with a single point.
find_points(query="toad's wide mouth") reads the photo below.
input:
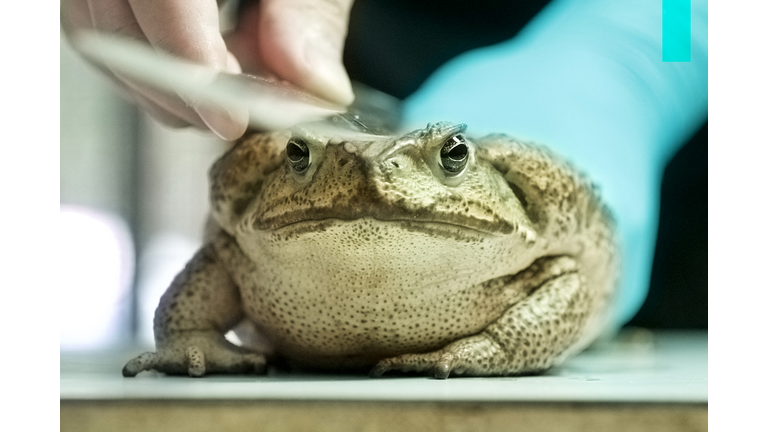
(434, 218)
(458, 230)
(445, 228)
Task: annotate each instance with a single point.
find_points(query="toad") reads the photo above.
(429, 252)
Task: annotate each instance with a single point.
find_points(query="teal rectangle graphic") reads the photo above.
(676, 30)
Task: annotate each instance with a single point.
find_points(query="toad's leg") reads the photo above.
(531, 336)
(200, 306)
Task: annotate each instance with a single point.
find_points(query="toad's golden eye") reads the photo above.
(454, 154)
(298, 156)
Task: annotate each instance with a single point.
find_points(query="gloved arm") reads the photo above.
(586, 77)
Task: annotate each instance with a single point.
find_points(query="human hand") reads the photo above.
(300, 41)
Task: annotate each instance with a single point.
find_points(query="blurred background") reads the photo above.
(134, 193)
(134, 198)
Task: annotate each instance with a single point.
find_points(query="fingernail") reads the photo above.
(232, 66)
(229, 125)
(329, 79)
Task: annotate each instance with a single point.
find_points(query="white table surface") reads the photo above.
(652, 368)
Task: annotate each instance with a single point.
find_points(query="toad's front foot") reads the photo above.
(197, 353)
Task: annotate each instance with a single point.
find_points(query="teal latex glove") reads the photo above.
(586, 77)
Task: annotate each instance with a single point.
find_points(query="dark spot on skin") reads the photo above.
(239, 205)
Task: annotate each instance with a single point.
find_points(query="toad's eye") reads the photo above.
(297, 153)
(454, 154)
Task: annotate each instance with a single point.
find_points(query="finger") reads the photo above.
(405, 363)
(227, 122)
(163, 107)
(166, 107)
(240, 363)
(190, 29)
(115, 16)
(143, 362)
(444, 366)
(255, 363)
(155, 22)
(380, 369)
(160, 115)
(75, 15)
(302, 41)
(195, 361)
(243, 42)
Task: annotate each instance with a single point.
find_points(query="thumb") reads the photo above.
(302, 41)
